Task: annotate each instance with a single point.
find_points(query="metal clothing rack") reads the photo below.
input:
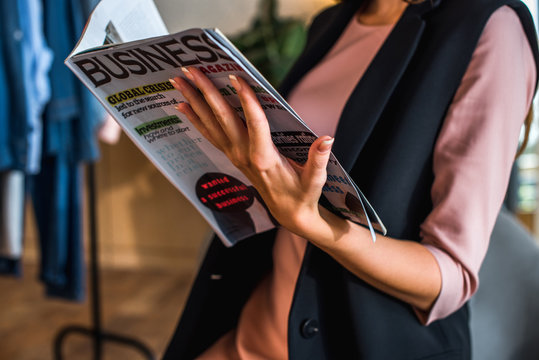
(96, 332)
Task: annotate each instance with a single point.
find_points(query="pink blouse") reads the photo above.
(472, 162)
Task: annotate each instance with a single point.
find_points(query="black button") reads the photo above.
(309, 328)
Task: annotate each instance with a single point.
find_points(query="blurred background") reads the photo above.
(150, 238)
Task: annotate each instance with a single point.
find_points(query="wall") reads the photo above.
(230, 16)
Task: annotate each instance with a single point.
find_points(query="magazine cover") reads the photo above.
(126, 56)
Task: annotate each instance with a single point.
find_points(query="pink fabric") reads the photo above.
(473, 157)
(472, 162)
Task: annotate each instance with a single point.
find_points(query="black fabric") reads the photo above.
(223, 285)
(385, 139)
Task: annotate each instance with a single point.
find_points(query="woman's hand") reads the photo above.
(291, 191)
(404, 269)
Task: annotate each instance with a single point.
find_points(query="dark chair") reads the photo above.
(505, 309)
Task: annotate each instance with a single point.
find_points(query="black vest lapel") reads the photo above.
(370, 96)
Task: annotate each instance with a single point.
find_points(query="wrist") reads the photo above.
(335, 229)
(320, 227)
(302, 221)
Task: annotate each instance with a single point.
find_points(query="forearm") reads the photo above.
(400, 268)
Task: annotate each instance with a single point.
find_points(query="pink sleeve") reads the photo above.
(473, 158)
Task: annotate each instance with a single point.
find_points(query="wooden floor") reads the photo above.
(144, 304)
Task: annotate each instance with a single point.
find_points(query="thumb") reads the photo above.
(314, 172)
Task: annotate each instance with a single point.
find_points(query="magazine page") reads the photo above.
(340, 190)
(131, 80)
(117, 21)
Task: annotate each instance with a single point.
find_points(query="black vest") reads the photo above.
(385, 139)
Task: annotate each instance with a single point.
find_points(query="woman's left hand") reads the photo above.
(291, 191)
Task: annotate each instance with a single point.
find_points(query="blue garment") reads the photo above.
(57, 197)
(70, 101)
(70, 125)
(25, 61)
(24, 90)
(36, 62)
(6, 156)
(10, 266)
(13, 142)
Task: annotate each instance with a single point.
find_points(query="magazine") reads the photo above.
(125, 56)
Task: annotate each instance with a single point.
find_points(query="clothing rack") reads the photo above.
(96, 332)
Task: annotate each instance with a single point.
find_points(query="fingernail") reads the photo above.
(325, 146)
(177, 107)
(188, 74)
(235, 82)
(174, 83)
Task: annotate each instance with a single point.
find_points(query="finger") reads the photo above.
(187, 110)
(314, 174)
(257, 123)
(225, 115)
(203, 113)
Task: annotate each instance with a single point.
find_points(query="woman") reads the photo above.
(425, 102)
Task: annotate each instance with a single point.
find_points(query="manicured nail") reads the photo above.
(188, 74)
(325, 146)
(177, 107)
(235, 82)
(174, 83)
